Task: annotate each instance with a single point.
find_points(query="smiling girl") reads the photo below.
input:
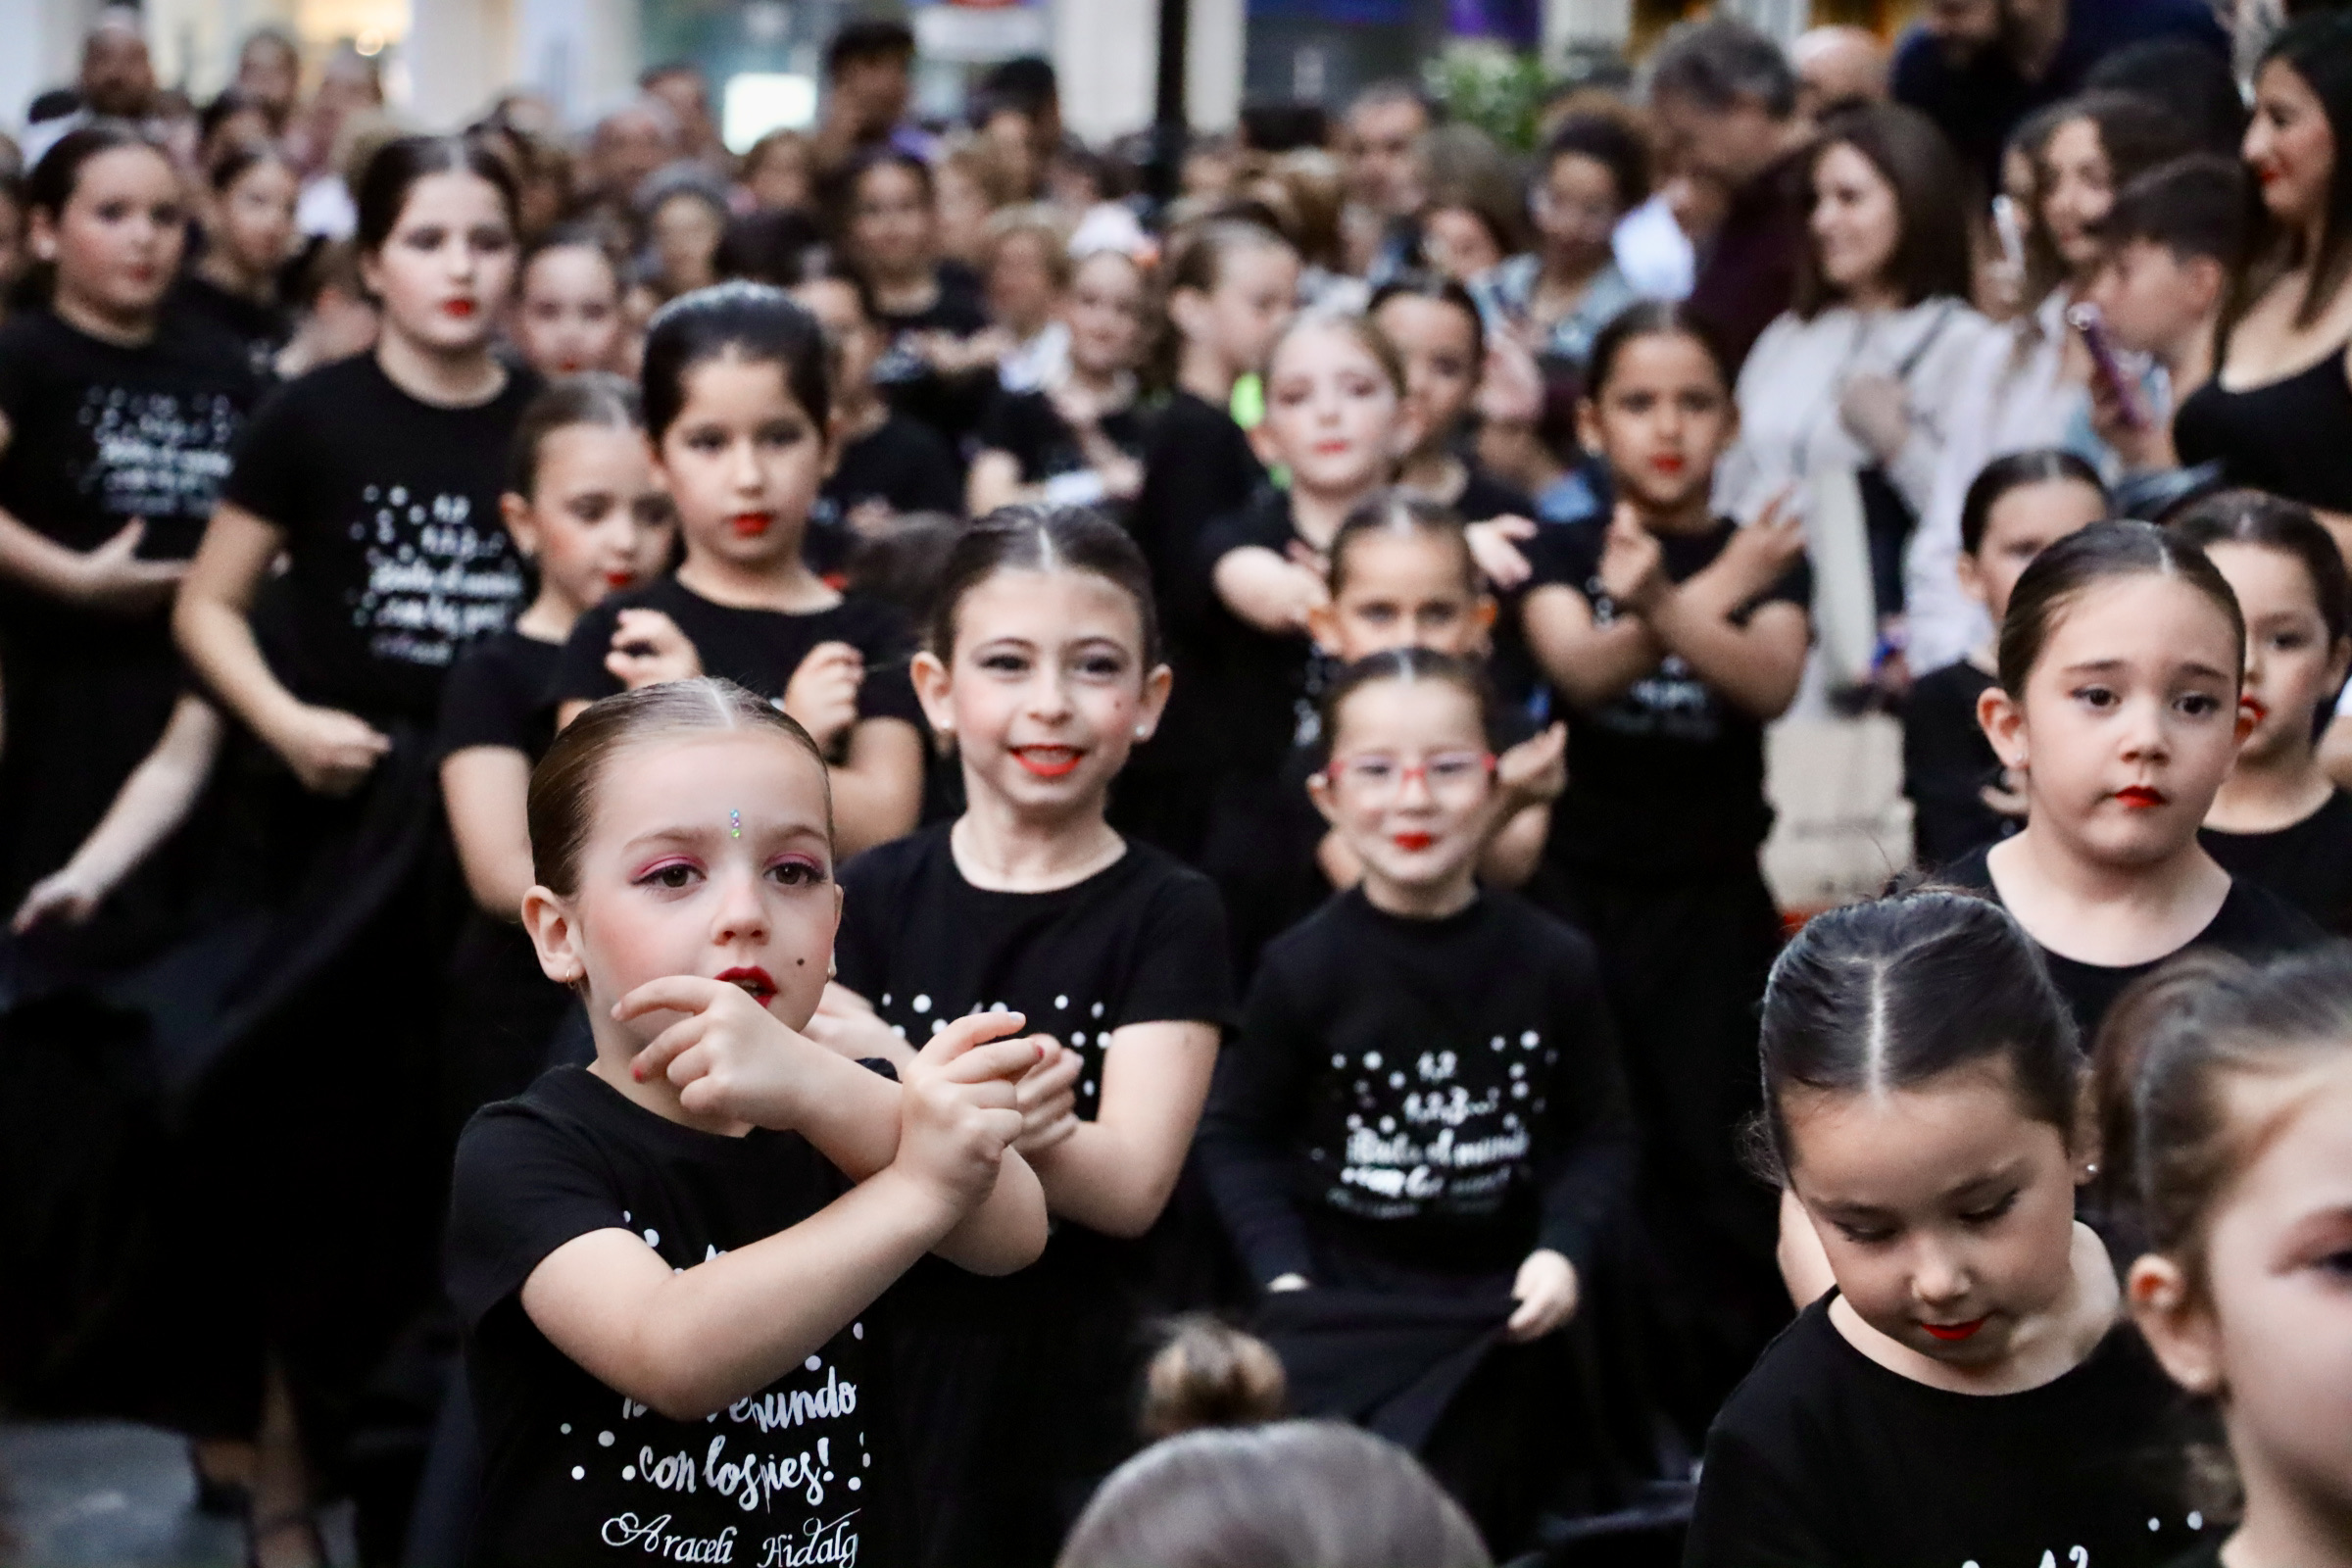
(2120, 662)
(737, 406)
(666, 1260)
(1043, 665)
(1969, 1392)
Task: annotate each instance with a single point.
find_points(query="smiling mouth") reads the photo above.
(1954, 1332)
(1412, 843)
(754, 980)
(2140, 797)
(751, 525)
(1048, 762)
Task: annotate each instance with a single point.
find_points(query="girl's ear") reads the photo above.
(1406, 433)
(1185, 308)
(556, 934)
(1156, 687)
(2178, 1323)
(1588, 424)
(1972, 579)
(1261, 442)
(1319, 790)
(2002, 718)
(43, 234)
(372, 275)
(1483, 613)
(932, 688)
(1323, 625)
(836, 437)
(520, 522)
(2340, 663)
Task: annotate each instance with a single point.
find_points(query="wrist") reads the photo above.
(930, 1208)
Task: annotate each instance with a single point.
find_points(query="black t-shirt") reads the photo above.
(1946, 762)
(1142, 941)
(1261, 685)
(949, 404)
(261, 328)
(1443, 1093)
(389, 507)
(906, 465)
(572, 1471)
(1197, 467)
(757, 649)
(497, 696)
(1667, 776)
(2308, 863)
(1485, 498)
(1823, 1458)
(1027, 425)
(2252, 922)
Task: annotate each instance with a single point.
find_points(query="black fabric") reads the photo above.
(949, 404)
(498, 696)
(262, 327)
(99, 435)
(574, 1473)
(1443, 1093)
(1017, 1392)
(2252, 922)
(389, 507)
(1823, 1458)
(903, 464)
(757, 649)
(1027, 425)
(2264, 437)
(1258, 681)
(1947, 763)
(1667, 777)
(1485, 498)
(2308, 863)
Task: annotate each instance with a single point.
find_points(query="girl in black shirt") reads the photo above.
(1043, 666)
(736, 402)
(1079, 439)
(1674, 637)
(585, 513)
(1969, 1391)
(941, 357)
(1442, 338)
(248, 214)
(1425, 1103)
(2122, 660)
(667, 1261)
(116, 417)
(1960, 795)
(2280, 822)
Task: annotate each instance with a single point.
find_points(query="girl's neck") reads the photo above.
(2263, 794)
(2043, 1349)
(1316, 516)
(1693, 517)
(909, 293)
(660, 1096)
(461, 379)
(107, 327)
(1107, 385)
(2283, 1526)
(1002, 849)
(2099, 912)
(219, 268)
(785, 584)
(1437, 474)
(1203, 372)
(549, 618)
(1423, 900)
(1570, 273)
(1873, 297)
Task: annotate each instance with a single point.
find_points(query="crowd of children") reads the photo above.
(733, 863)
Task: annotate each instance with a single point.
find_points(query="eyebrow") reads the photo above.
(695, 834)
(2101, 666)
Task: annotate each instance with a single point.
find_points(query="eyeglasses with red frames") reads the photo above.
(1382, 776)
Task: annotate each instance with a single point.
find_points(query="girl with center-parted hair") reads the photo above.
(2120, 664)
(247, 210)
(377, 479)
(1969, 1392)
(1858, 377)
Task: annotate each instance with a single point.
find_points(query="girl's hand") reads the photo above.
(847, 1024)
(1533, 772)
(2008, 797)
(1632, 565)
(65, 895)
(330, 751)
(1510, 391)
(1048, 1095)
(729, 1057)
(648, 649)
(113, 577)
(1494, 546)
(1876, 409)
(822, 694)
(1545, 1291)
(959, 1111)
(1760, 555)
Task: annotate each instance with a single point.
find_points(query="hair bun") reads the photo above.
(1211, 1374)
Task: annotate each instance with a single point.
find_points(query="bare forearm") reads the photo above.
(1749, 669)
(1262, 588)
(1106, 1181)
(33, 559)
(1599, 664)
(1511, 856)
(154, 800)
(220, 643)
(1007, 1232)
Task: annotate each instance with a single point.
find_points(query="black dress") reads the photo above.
(2286, 437)
(2308, 863)
(1017, 1393)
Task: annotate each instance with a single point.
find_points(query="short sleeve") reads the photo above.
(522, 1187)
(266, 474)
(580, 672)
(481, 707)
(1186, 975)
(1563, 555)
(1750, 1512)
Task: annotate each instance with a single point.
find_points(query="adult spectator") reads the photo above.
(1977, 66)
(1837, 67)
(869, 80)
(682, 85)
(270, 74)
(116, 82)
(1595, 171)
(1379, 143)
(627, 147)
(1017, 107)
(2278, 412)
(1725, 101)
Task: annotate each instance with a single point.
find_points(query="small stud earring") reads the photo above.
(832, 968)
(1142, 732)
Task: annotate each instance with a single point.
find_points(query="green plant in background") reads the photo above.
(1489, 85)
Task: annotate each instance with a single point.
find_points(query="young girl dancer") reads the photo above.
(248, 217)
(736, 404)
(666, 1260)
(584, 510)
(1924, 1099)
(116, 418)
(1442, 339)
(377, 478)
(2280, 822)
(1078, 437)
(568, 314)
(1673, 637)
(2121, 659)
(1043, 667)
(1426, 1099)
(1960, 797)
(2238, 1105)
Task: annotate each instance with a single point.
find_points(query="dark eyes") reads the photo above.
(2200, 705)
(797, 873)
(1991, 1211)
(672, 876)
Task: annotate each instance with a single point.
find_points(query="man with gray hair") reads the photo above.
(1724, 97)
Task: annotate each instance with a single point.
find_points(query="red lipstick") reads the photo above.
(751, 525)
(2254, 708)
(754, 980)
(1412, 843)
(1048, 762)
(1667, 463)
(1954, 1332)
(620, 579)
(460, 308)
(2141, 797)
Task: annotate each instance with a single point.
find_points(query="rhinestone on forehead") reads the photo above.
(734, 825)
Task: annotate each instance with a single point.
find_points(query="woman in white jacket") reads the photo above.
(1855, 383)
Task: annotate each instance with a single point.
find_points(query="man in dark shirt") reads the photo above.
(1725, 98)
(1977, 66)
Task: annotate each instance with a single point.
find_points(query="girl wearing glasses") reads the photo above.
(1424, 1103)
(1672, 637)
